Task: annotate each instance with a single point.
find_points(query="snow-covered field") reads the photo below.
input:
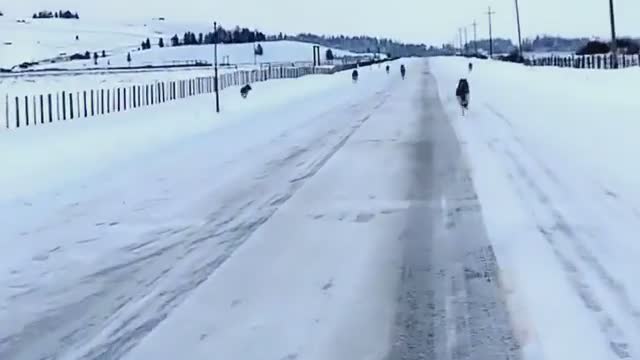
(45, 39)
(274, 52)
(554, 156)
(49, 38)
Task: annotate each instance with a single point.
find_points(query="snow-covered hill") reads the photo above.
(242, 54)
(40, 39)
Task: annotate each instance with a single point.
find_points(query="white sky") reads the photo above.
(428, 21)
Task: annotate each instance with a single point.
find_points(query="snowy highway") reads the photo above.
(324, 220)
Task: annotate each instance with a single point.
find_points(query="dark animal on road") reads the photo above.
(244, 91)
(387, 68)
(462, 93)
(403, 71)
(354, 75)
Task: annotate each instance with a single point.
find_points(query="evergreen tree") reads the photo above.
(200, 39)
(235, 36)
(259, 50)
(329, 55)
(129, 58)
(175, 40)
(95, 58)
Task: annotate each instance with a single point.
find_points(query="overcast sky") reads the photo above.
(428, 21)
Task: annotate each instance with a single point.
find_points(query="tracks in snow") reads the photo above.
(566, 216)
(118, 305)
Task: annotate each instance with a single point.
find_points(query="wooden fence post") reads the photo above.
(108, 101)
(26, 110)
(50, 108)
(17, 112)
(71, 114)
(64, 105)
(41, 109)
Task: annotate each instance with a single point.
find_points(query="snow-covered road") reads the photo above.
(339, 225)
(553, 166)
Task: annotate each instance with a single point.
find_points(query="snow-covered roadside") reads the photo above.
(552, 154)
(42, 158)
(112, 246)
(51, 83)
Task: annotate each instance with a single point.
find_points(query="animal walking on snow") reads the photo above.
(462, 93)
(244, 91)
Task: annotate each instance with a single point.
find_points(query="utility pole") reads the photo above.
(255, 55)
(519, 33)
(475, 37)
(215, 62)
(614, 41)
(490, 13)
(466, 41)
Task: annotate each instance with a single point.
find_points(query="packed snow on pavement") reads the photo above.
(553, 154)
(114, 223)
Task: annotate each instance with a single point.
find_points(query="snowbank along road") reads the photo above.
(340, 225)
(560, 200)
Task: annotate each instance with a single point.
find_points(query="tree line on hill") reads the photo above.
(625, 46)
(236, 36)
(359, 44)
(45, 14)
(550, 44)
